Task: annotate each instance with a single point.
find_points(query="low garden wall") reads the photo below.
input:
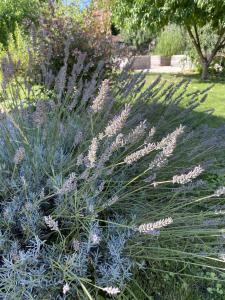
(182, 61)
(158, 60)
(143, 62)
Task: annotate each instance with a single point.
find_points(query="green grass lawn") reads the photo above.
(216, 96)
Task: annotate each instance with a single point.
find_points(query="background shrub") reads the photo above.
(17, 49)
(138, 39)
(17, 13)
(170, 42)
(66, 28)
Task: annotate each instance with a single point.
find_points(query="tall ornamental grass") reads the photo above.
(101, 182)
(171, 41)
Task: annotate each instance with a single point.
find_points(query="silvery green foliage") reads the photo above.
(68, 203)
(115, 269)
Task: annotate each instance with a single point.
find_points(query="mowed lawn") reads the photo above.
(216, 96)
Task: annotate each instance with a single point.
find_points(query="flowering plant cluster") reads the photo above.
(60, 25)
(90, 184)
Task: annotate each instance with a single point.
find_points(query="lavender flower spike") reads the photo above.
(66, 289)
(69, 185)
(185, 178)
(130, 159)
(111, 290)
(39, 116)
(52, 224)
(171, 138)
(100, 100)
(146, 228)
(76, 245)
(92, 153)
(136, 133)
(19, 156)
(118, 122)
(167, 145)
(222, 256)
(111, 201)
(220, 191)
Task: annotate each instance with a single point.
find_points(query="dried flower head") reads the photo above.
(52, 224)
(66, 288)
(119, 142)
(19, 155)
(99, 101)
(136, 133)
(111, 290)
(167, 145)
(130, 159)
(145, 228)
(171, 138)
(69, 185)
(185, 178)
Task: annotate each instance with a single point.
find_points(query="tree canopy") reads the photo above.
(16, 12)
(158, 13)
(192, 14)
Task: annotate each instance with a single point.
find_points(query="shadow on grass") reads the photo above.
(214, 89)
(197, 78)
(171, 116)
(191, 76)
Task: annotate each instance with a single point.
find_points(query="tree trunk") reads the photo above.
(206, 60)
(205, 70)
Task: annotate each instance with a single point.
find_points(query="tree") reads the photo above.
(192, 14)
(15, 13)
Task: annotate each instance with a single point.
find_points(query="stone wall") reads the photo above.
(182, 61)
(141, 62)
(144, 62)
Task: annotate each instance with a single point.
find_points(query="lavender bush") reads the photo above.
(99, 182)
